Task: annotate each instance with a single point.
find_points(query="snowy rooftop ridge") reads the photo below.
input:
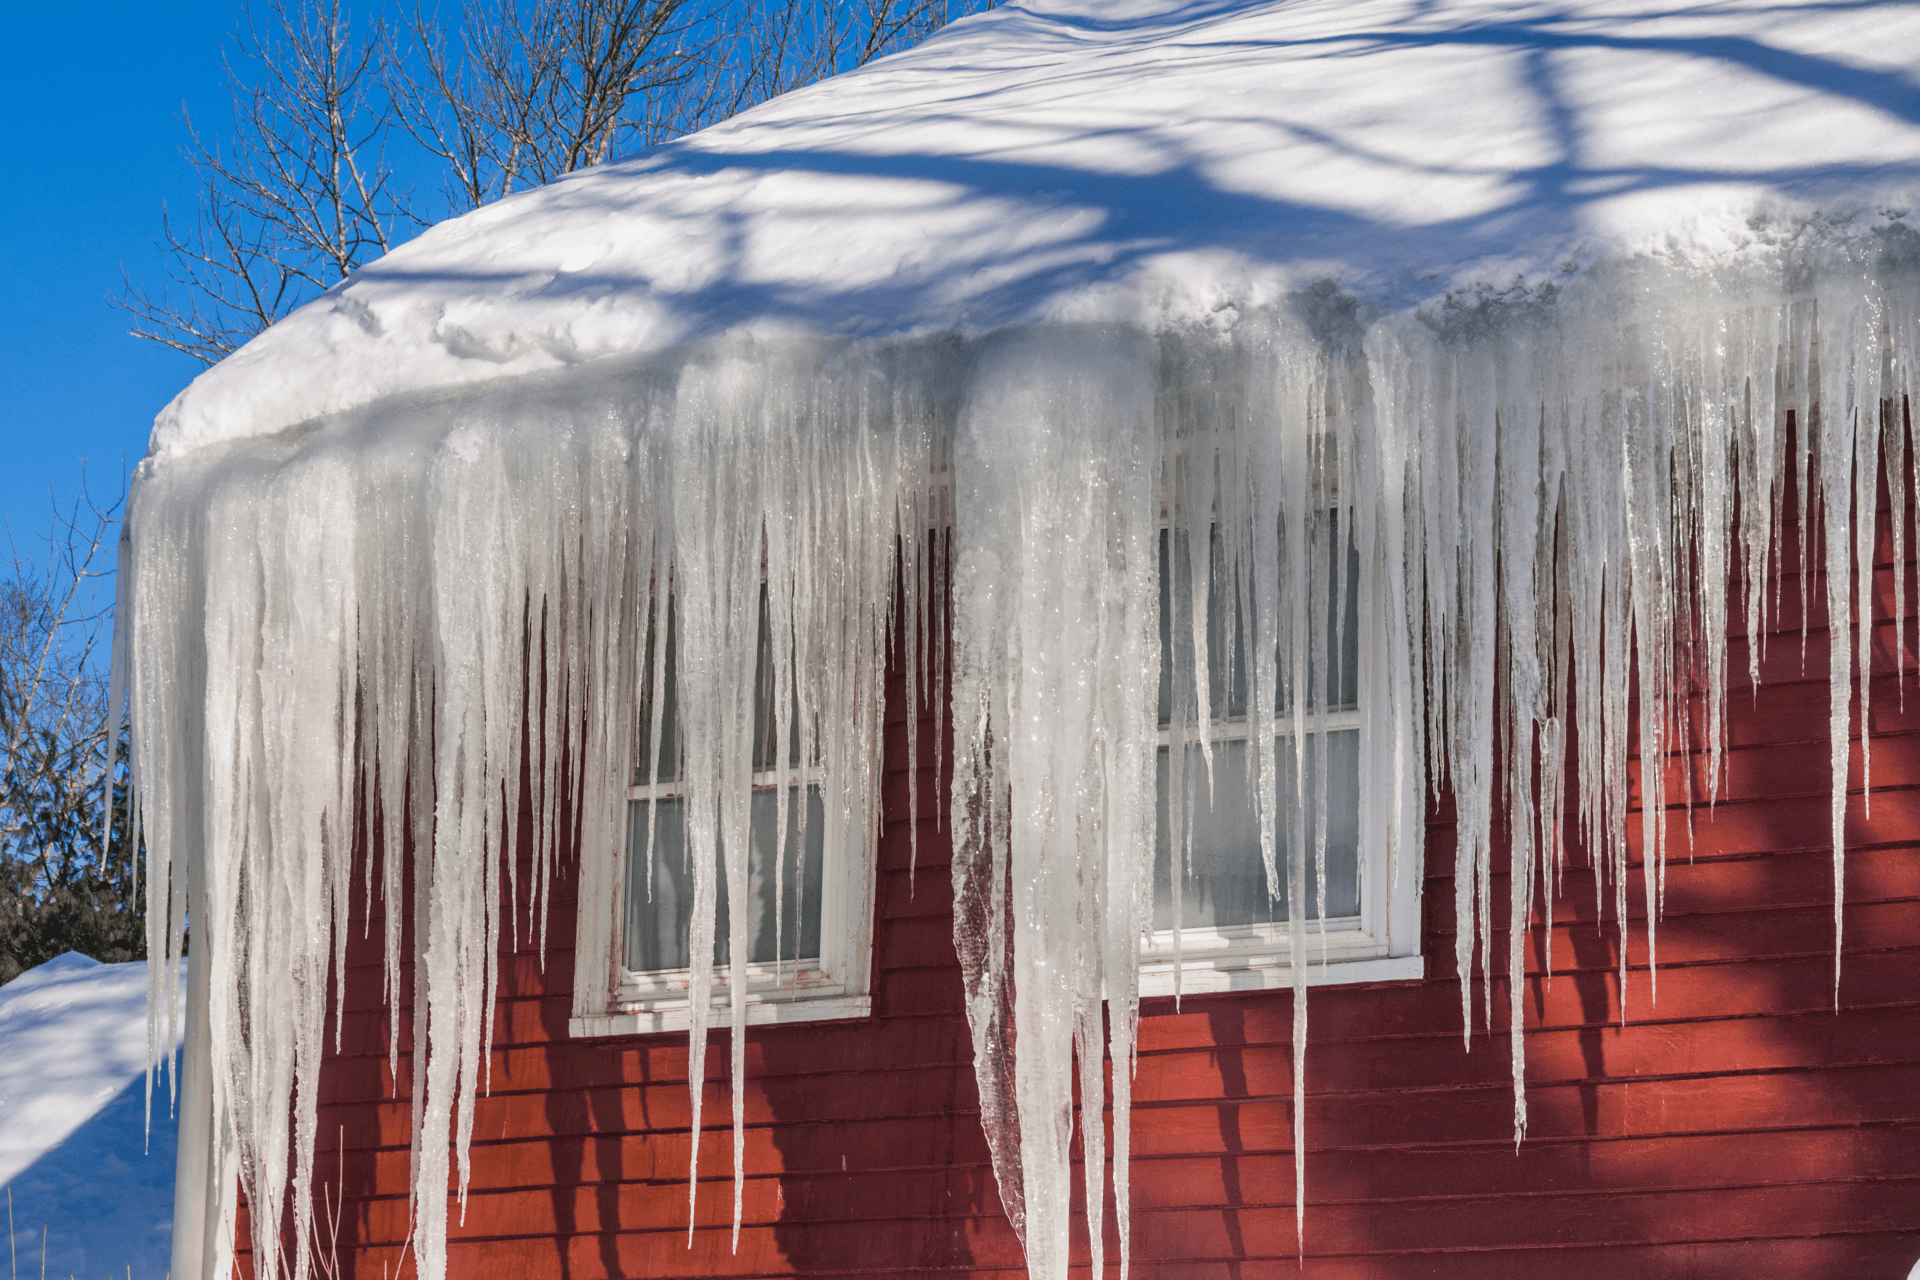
(1147, 162)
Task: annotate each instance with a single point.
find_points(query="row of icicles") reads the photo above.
(331, 641)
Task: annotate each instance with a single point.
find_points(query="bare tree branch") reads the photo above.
(539, 88)
(524, 92)
(299, 197)
(60, 889)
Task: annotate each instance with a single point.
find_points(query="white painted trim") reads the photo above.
(611, 1000)
(1382, 942)
(762, 1010)
(1210, 976)
(206, 1164)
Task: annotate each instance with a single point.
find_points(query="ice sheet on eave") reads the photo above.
(1146, 162)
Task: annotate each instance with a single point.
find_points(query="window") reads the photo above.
(810, 890)
(1217, 927)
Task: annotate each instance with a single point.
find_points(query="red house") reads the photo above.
(1087, 529)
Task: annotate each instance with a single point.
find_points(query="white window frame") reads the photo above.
(1379, 944)
(612, 1000)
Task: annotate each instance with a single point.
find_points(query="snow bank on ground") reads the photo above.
(75, 1154)
(1148, 162)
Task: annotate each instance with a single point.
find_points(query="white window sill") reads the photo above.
(1203, 974)
(760, 1012)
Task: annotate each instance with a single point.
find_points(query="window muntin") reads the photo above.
(809, 956)
(1231, 933)
(784, 909)
(784, 864)
(1226, 885)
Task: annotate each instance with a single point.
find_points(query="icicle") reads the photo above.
(1851, 330)
(781, 476)
(1055, 663)
(380, 631)
(1631, 561)
(384, 628)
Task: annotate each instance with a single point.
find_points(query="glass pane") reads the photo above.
(764, 728)
(1226, 629)
(669, 711)
(657, 929)
(765, 731)
(1226, 884)
(1226, 659)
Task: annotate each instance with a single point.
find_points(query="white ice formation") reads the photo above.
(1060, 279)
(464, 647)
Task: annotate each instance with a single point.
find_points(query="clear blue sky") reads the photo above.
(94, 94)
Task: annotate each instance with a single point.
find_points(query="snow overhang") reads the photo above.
(1146, 163)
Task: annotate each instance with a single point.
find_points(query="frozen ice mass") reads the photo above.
(1542, 310)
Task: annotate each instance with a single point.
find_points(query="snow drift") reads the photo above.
(86, 1154)
(1538, 306)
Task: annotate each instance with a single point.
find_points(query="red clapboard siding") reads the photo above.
(1740, 1125)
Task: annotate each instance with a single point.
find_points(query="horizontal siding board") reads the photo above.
(1665, 1218)
(1541, 1167)
(1479, 1113)
(1739, 1126)
(1889, 1036)
(1717, 882)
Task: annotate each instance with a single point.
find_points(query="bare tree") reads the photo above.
(296, 199)
(61, 887)
(541, 88)
(521, 93)
(796, 42)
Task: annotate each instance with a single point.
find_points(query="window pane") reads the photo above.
(657, 930)
(1226, 629)
(1226, 660)
(669, 710)
(764, 729)
(1226, 884)
(766, 754)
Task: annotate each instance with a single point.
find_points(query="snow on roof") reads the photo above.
(1147, 162)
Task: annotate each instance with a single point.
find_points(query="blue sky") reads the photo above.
(95, 93)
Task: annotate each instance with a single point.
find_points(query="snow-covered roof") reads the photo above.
(1145, 161)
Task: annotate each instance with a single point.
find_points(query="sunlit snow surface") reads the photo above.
(1143, 162)
(1521, 299)
(75, 1153)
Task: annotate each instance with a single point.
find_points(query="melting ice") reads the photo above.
(372, 643)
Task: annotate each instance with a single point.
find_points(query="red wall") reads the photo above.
(1741, 1127)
